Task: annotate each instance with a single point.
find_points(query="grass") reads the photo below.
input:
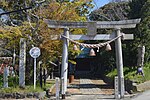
(49, 84)
(27, 89)
(130, 73)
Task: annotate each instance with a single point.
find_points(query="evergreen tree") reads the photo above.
(136, 6)
(144, 28)
(111, 11)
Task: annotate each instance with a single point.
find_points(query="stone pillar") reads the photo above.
(5, 76)
(57, 88)
(140, 55)
(22, 62)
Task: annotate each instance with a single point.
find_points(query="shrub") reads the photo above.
(130, 73)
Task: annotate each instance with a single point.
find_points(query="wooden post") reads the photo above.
(22, 62)
(44, 74)
(41, 83)
(119, 63)
(64, 69)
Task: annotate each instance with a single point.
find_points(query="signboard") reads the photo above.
(35, 52)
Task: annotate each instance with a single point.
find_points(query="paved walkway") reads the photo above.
(142, 96)
(85, 87)
(89, 90)
(88, 87)
(90, 97)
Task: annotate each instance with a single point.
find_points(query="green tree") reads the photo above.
(57, 11)
(83, 8)
(35, 30)
(110, 12)
(136, 6)
(144, 28)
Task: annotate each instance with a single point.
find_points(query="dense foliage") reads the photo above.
(131, 74)
(120, 11)
(144, 28)
(30, 24)
(111, 12)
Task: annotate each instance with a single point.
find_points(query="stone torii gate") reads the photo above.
(92, 30)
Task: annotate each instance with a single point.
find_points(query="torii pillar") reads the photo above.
(119, 63)
(64, 67)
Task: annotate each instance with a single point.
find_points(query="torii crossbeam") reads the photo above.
(92, 30)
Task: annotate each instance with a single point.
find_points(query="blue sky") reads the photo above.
(100, 3)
